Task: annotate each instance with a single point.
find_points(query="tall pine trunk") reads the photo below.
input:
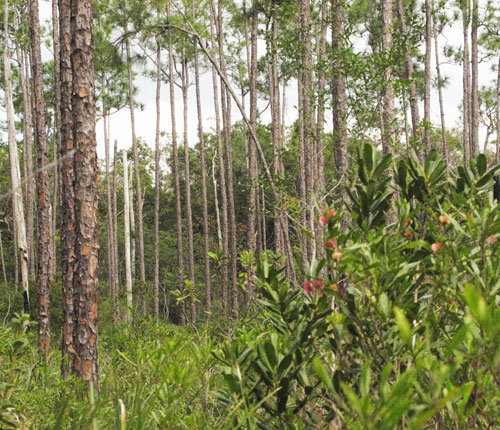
(175, 169)
(466, 82)
(187, 180)
(427, 76)
(44, 207)
(222, 173)
(206, 249)
(157, 184)
(68, 220)
(86, 190)
(116, 303)
(474, 107)
(126, 229)
(440, 95)
(138, 190)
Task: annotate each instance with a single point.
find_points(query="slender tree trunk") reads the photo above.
(306, 119)
(338, 94)
(206, 249)
(475, 81)
(497, 152)
(427, 76)
(138, 191)
(4, 273)
(126, 228)
(276, 128)
(440, 94)
(319, 167)
(388, 135)
(226, 119)
(412, 88)
(216, 202)
(187, 179)
(252, 151)
(44, 207)
(175, 168)
(116, 281)
(222, 175)
(132, 224)
(466, 83)
(57, 115)
(68, 221)
(15, 170)
(109, 203)
(157, 183)
(27, 159)
(86, 190)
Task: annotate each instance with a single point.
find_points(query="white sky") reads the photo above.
(145, 119)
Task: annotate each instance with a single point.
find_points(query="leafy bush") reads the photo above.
(398, 327)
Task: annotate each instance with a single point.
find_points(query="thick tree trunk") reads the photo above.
(388, 134)
(475, 81)
(44, 207)
(126, 229)
(138, 191)
(157, 184)
(68, 221)
(222, 175)
(412, 88)
(175, 169)
(440, 95)
(86, 190)
(28, 158)
(187, 180)
(319, 167)
(427, 76)
(206, 249)
(15, 171)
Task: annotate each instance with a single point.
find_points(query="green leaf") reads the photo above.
(404, 326)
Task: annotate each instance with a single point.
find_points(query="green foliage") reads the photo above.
(370, 195)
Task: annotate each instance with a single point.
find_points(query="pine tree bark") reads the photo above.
(338, 94)
(252, 152)
(116, 275)
(44, 207)
(475, 81)
(388, 135)
(497, 152)
(427, 76)
(175, 169)
(222, 174)
(68, 220)
(466, 82)
(15, 170)
(206, 232)
(187, 180)
(126, 229)
(157, 184)
(226, 119)
(138, 190)
(86, 190)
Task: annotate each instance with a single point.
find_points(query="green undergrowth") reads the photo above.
(151, 376)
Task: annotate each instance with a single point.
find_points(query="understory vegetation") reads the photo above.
(396, 326)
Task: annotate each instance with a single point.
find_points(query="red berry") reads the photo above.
(323, 220)
(331, 244)
(308, 288)
(332, 213)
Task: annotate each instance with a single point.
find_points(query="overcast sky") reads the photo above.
(145, 119)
